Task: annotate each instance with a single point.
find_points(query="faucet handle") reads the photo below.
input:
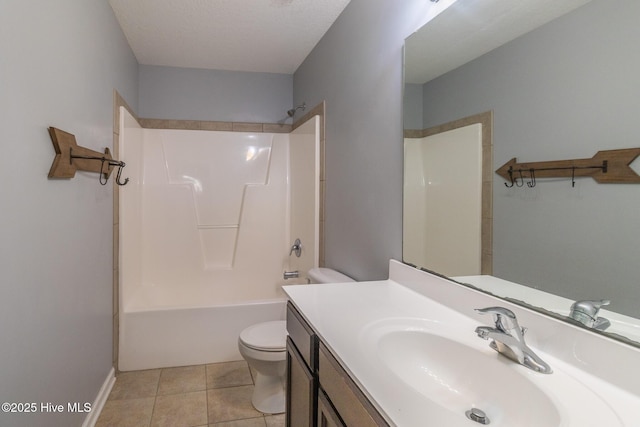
(586, 312)
(589, 307)
(297, 248)
(504, 318)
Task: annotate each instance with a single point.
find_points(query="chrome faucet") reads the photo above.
(508, 339)
(586, 312)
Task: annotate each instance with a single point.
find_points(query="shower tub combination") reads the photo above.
(206, 225)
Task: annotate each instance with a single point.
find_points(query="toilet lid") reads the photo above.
(268, 336)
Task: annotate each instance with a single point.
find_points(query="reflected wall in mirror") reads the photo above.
(564, 90)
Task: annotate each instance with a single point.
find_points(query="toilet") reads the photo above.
(263, 346)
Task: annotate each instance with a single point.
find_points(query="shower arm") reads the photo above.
(292, 112)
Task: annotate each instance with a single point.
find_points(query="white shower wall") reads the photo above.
(442, 232)
(212, 223)
(206, 223)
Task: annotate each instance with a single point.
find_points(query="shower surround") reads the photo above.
(206, 223)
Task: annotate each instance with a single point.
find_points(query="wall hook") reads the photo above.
(521, 179)
(510, 171)
(120, 167)
(532, 176)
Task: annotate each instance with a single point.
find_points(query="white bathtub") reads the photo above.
(189, 336)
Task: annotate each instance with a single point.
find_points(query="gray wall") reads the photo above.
(59, 64)
(357, 69)
(412, 106)
(566, 90)
(194, 94)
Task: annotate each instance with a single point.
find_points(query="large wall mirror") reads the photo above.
(566, 89)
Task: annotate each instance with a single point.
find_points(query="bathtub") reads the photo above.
(169, 337)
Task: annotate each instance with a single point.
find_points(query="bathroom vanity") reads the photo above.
(318, 387)
(404, 352)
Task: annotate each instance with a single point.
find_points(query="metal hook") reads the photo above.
(100, 175)
(532, 183)
(510, 177)
(573, 176)
(120, 167)
(521, 179)
(103, 177)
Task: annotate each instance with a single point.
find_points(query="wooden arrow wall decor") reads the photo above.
(606, 167)
(71, 157)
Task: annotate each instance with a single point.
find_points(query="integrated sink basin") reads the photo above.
(459, 377)
(448, 372)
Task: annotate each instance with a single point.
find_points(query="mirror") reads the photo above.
(565, 90)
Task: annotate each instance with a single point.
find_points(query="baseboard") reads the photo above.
(98, 404)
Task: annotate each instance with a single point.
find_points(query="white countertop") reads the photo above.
(346, 316)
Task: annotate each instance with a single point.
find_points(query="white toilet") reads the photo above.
(263, 346)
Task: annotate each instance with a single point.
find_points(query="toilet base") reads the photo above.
(269, 394)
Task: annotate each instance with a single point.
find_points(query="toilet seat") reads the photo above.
(266, 336)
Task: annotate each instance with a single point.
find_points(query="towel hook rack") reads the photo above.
(71, 157)
(609, 166)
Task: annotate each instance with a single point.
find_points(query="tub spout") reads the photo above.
(291, 274)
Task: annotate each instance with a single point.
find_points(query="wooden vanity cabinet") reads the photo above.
(320, 393)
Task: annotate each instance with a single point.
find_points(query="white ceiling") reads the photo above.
(275, 36)
(272, 36)
(471, 28)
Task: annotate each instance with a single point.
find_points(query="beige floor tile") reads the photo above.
(228, 374)
(249, 422)
(135, 385)
(180, 410)
(231, 403)
(182, 380)
(126, 413)
(275, 420)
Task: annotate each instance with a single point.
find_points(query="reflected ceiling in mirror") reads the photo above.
(468, 29)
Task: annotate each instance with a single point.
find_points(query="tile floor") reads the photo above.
(215, 395)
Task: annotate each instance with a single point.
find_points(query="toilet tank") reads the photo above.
(327, 275)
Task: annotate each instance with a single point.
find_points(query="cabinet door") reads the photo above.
(303, 337)
(327, 416)
(343, 393)
(301, 390)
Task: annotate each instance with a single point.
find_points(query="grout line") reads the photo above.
(155, 398)
(206, 395)
(153, 409)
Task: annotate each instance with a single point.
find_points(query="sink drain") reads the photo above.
(477, 415)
